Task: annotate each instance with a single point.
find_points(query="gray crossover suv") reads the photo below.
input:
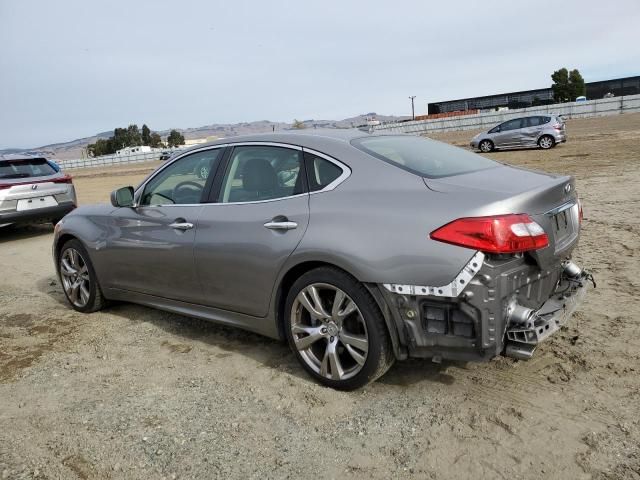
(358, 249)
(544, 131)
(33, 189)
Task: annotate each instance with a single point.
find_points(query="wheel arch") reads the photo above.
(296, 271)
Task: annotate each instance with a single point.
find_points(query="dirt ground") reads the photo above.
(132, 392)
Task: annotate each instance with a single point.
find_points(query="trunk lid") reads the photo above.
(548, 199)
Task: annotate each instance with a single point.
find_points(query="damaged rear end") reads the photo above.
(519, 285)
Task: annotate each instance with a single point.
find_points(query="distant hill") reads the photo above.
(74, 148)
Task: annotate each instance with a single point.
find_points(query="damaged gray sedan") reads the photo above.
(357, 249)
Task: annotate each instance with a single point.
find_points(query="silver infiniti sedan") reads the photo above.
(544, 131)
(358, 249)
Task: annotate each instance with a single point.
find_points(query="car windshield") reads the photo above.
(33, 167)
(423, 156)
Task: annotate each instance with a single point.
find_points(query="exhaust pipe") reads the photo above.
(520, 351)
(571, 270)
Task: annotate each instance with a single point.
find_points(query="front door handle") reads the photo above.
(283, 225)
(181, 225)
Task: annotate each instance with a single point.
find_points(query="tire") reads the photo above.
(345, 347)
(486, 146)
(78, 278)
(546, 142)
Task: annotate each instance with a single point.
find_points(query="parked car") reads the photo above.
(166, 155)
(357, 248)
(544, 131)
(32, 189)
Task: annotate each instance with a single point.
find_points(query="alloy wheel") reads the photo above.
(75, 277)
(546, 142)
(329, 331)
(485, 146)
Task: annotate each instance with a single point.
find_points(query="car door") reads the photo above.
(509, 135)
(530, 131)
(260, 215)
(150, 247)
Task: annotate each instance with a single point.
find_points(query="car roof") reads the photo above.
(310, 138)
(19, 156)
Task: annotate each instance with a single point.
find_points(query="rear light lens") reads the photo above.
(558, 126)
(513, 233)
(64, 179)
(580, 212)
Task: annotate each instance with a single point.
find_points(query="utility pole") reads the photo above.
(413, 112)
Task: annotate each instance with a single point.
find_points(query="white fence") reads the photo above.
(590, 108)
(111, 160)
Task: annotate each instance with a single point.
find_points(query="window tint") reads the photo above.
(36, 167)
(258, 173)
(495, 129)
(511, 125)
(321, 172)
(183, 181)
(534, 121)
(423, 156)
(545, 119)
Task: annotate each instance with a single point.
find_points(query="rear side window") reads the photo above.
(321, 172)
(423, 156)
(33, 167)
(545, 119)
(534, 121)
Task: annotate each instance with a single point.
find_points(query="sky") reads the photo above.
(71, 69)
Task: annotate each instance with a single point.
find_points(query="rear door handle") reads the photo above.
(181, 225)
(281, 225)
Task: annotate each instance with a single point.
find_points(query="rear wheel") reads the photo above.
(486, 146)
(336, 330)
(78, 278)
(546, 142)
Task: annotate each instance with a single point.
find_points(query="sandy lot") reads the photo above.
(137, 393)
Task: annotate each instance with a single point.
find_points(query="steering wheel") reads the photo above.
(186, 196)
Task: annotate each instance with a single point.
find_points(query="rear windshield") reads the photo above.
(33, 167)
(423, 156)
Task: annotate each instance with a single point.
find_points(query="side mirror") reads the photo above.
(122, 197)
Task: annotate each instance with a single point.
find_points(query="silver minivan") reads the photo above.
(544, 131)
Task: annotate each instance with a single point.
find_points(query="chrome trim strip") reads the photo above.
(561, 208)
(346, 171)
(453, 289)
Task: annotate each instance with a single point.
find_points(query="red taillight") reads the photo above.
(558, 126)
(580, 212)
(65, 179)
(511, 233)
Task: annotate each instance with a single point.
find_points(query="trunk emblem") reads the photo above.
(34, 187)
(567, 188)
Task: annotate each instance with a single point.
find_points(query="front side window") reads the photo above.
(321, 172)
(511, 125)
(183, 181)
(257, 173)
(423, 156)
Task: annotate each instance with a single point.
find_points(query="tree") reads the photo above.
(576, 84)
(155, 141)
(175, 139)
(560, 87)
(146, 135)
(297, 124)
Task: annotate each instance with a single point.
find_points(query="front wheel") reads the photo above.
(486, 146)
(336, 330)
(78, 278)
(546, 142)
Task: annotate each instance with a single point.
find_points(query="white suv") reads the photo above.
(33, 189)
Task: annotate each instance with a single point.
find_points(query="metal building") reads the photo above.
(542, 96)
